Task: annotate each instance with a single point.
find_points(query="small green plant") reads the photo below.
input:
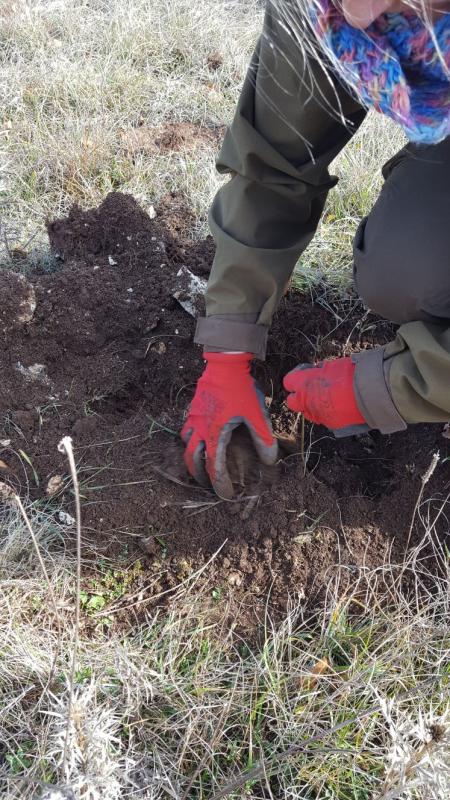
(112, 585)
(83, 674)
(21, 759)
(163, 545)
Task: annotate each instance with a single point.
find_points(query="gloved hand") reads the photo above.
(226, 396)
(325, 395)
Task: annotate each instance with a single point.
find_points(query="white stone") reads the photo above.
(65, 518)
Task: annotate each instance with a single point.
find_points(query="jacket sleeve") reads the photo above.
(408, 381)
(292, 119)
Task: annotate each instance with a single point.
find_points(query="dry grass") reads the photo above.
(78, 78)
(175, 705)
(330, 254)
(351, 704)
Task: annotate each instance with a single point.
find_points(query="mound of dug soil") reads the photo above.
(107, 357)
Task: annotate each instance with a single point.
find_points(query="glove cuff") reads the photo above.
(226, 359)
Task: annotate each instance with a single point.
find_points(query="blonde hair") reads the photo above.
(294, 17)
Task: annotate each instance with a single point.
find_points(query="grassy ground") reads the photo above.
(351, 706)
(78, 79)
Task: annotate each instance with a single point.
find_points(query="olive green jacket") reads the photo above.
(291, 121)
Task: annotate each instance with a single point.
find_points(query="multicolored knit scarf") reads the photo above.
(393, 66)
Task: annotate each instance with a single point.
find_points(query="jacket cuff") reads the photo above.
(232, 332)
(372, 392)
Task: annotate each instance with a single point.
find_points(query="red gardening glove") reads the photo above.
(325, 395)
(226, 396)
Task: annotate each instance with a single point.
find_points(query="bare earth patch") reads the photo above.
(172, 136)
(120, 368)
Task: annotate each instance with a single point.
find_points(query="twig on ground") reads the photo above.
(202, 763)
(65, 446)
(38, 552)
(260, 770)
(300, 418)
(302, 439)
(425, 479)
(179, 482)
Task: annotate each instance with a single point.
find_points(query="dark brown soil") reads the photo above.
(119, 369)
(214, 61)
(17, 301)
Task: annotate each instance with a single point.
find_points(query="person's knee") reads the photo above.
(390, 275)
(402, 249)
